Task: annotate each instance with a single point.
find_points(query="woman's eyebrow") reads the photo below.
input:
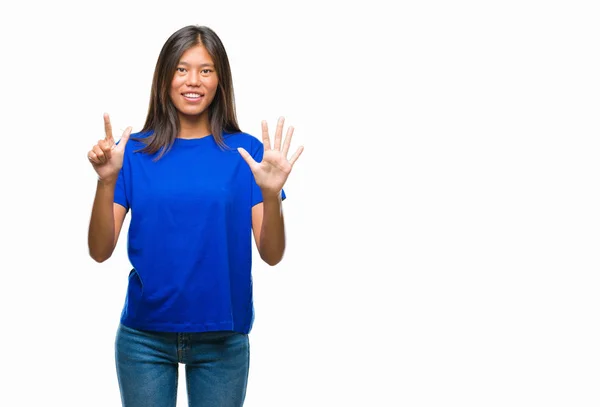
(187, 64)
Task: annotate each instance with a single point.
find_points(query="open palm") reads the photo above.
(272, 172)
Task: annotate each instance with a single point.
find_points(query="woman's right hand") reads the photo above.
(106, 156)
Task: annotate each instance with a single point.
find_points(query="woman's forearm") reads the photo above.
(101, 235)
(272, 235)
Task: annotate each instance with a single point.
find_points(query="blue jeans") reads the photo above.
(216, 367)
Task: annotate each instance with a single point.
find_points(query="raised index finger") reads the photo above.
(108, 130)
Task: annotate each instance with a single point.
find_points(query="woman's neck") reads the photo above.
(194, 126)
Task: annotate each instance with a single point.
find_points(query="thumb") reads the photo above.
(124, 138)
(247, 157)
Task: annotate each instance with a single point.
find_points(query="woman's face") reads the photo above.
(195, 82)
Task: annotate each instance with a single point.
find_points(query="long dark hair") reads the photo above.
(162, 118)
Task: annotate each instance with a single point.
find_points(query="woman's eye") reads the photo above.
(182, 70)
(206, 71)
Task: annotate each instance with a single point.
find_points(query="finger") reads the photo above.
(265, 136)
(93, 158)
(287, 141)
(296, 155)
(125, 138)
(99, 154)
(247, 157)
(108, 129)
(278, 132)
(106, 148)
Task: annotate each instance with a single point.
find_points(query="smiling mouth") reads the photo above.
(192, 95)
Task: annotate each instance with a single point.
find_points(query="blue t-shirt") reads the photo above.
(190, 235)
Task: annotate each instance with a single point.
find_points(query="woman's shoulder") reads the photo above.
(137, 140)
(140, 136)
(241, 138)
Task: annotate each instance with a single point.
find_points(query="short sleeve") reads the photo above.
(121, 195)
(257, 154)
(120, 192)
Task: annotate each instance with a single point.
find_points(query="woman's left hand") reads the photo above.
(272, 172)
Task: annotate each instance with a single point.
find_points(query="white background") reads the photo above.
(443, 222)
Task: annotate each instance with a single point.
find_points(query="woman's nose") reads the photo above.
(193, 79)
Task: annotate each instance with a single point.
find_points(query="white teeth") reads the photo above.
(191, 95)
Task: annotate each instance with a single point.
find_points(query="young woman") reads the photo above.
(197, 188)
